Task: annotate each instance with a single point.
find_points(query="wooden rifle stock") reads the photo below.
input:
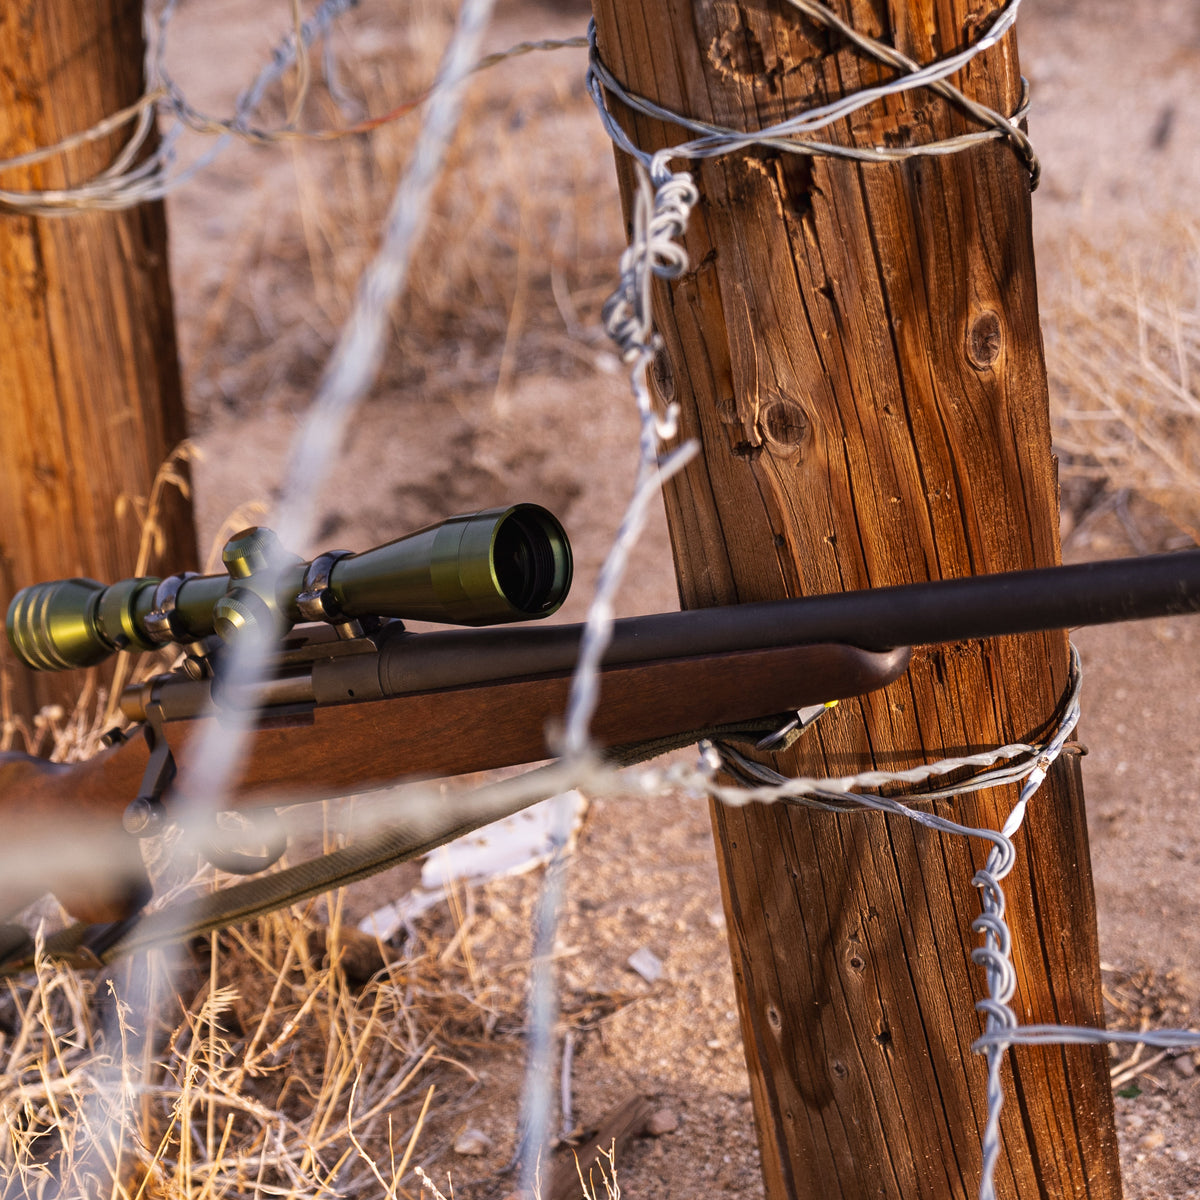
(337, 749)
(342, 718)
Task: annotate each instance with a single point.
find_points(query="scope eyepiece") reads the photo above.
(484, 568)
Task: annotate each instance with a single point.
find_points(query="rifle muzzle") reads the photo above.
(484, 568)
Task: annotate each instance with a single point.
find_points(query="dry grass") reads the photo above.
(517, 257)
(1123, 354)
(291, 1058)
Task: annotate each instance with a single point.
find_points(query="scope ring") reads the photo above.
(160, 624)
(314, 600)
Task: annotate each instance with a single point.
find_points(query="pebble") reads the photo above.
(646, 963)
(1152, 1140)
(1184, 1066)
(661, 1122)
(472, 1142)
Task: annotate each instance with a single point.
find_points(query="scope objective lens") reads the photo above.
(524, 561)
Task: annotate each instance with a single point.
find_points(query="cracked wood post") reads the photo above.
(857, 350)
(90, 393)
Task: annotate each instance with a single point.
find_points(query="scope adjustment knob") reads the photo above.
(251, 550)
(240, 610)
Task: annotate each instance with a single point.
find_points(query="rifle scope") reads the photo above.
(484, 568)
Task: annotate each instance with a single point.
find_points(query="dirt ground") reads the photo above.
(502, 388)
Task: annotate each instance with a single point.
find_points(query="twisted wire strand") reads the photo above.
(1047, 1035)
(122, 184)
(995, 955)
(126, 181)
(793, 135)
(660, 216)
(1031, 763)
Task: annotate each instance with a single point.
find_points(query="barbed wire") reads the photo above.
(1023, 762)
(147, 168)
(793, 135)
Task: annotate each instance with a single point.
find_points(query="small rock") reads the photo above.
(472, 1142)
(1152, 1140)
(661, 1122)
(1184, 1066)
(646, 963)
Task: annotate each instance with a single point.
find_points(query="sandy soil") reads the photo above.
(259, 289)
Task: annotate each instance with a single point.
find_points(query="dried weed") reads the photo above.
(512, 269)
(1123, 354)
(291, 1058)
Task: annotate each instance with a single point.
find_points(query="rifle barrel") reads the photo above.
(879, 619)
(980, 606)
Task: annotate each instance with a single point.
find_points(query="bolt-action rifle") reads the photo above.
(354, 700)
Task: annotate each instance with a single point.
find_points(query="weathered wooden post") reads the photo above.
(857, 350)
(90, 394)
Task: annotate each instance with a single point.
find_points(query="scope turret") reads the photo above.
(483, 568)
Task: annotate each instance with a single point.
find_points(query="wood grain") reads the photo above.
(90, 395)
(591, 1161)
(341, 749)
(857, 350)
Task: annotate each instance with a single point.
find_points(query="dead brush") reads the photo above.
(1123, 354)
(515, 263)
(290, 1058)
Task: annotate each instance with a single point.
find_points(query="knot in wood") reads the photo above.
(985, 341)
(783, 425)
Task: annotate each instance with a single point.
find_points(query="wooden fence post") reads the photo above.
(90, 393)
(856, 347)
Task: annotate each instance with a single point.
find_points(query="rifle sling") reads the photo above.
(87, 946)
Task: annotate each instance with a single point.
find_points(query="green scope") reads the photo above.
(483, 568)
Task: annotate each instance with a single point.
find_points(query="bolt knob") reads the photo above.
(249, 551)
